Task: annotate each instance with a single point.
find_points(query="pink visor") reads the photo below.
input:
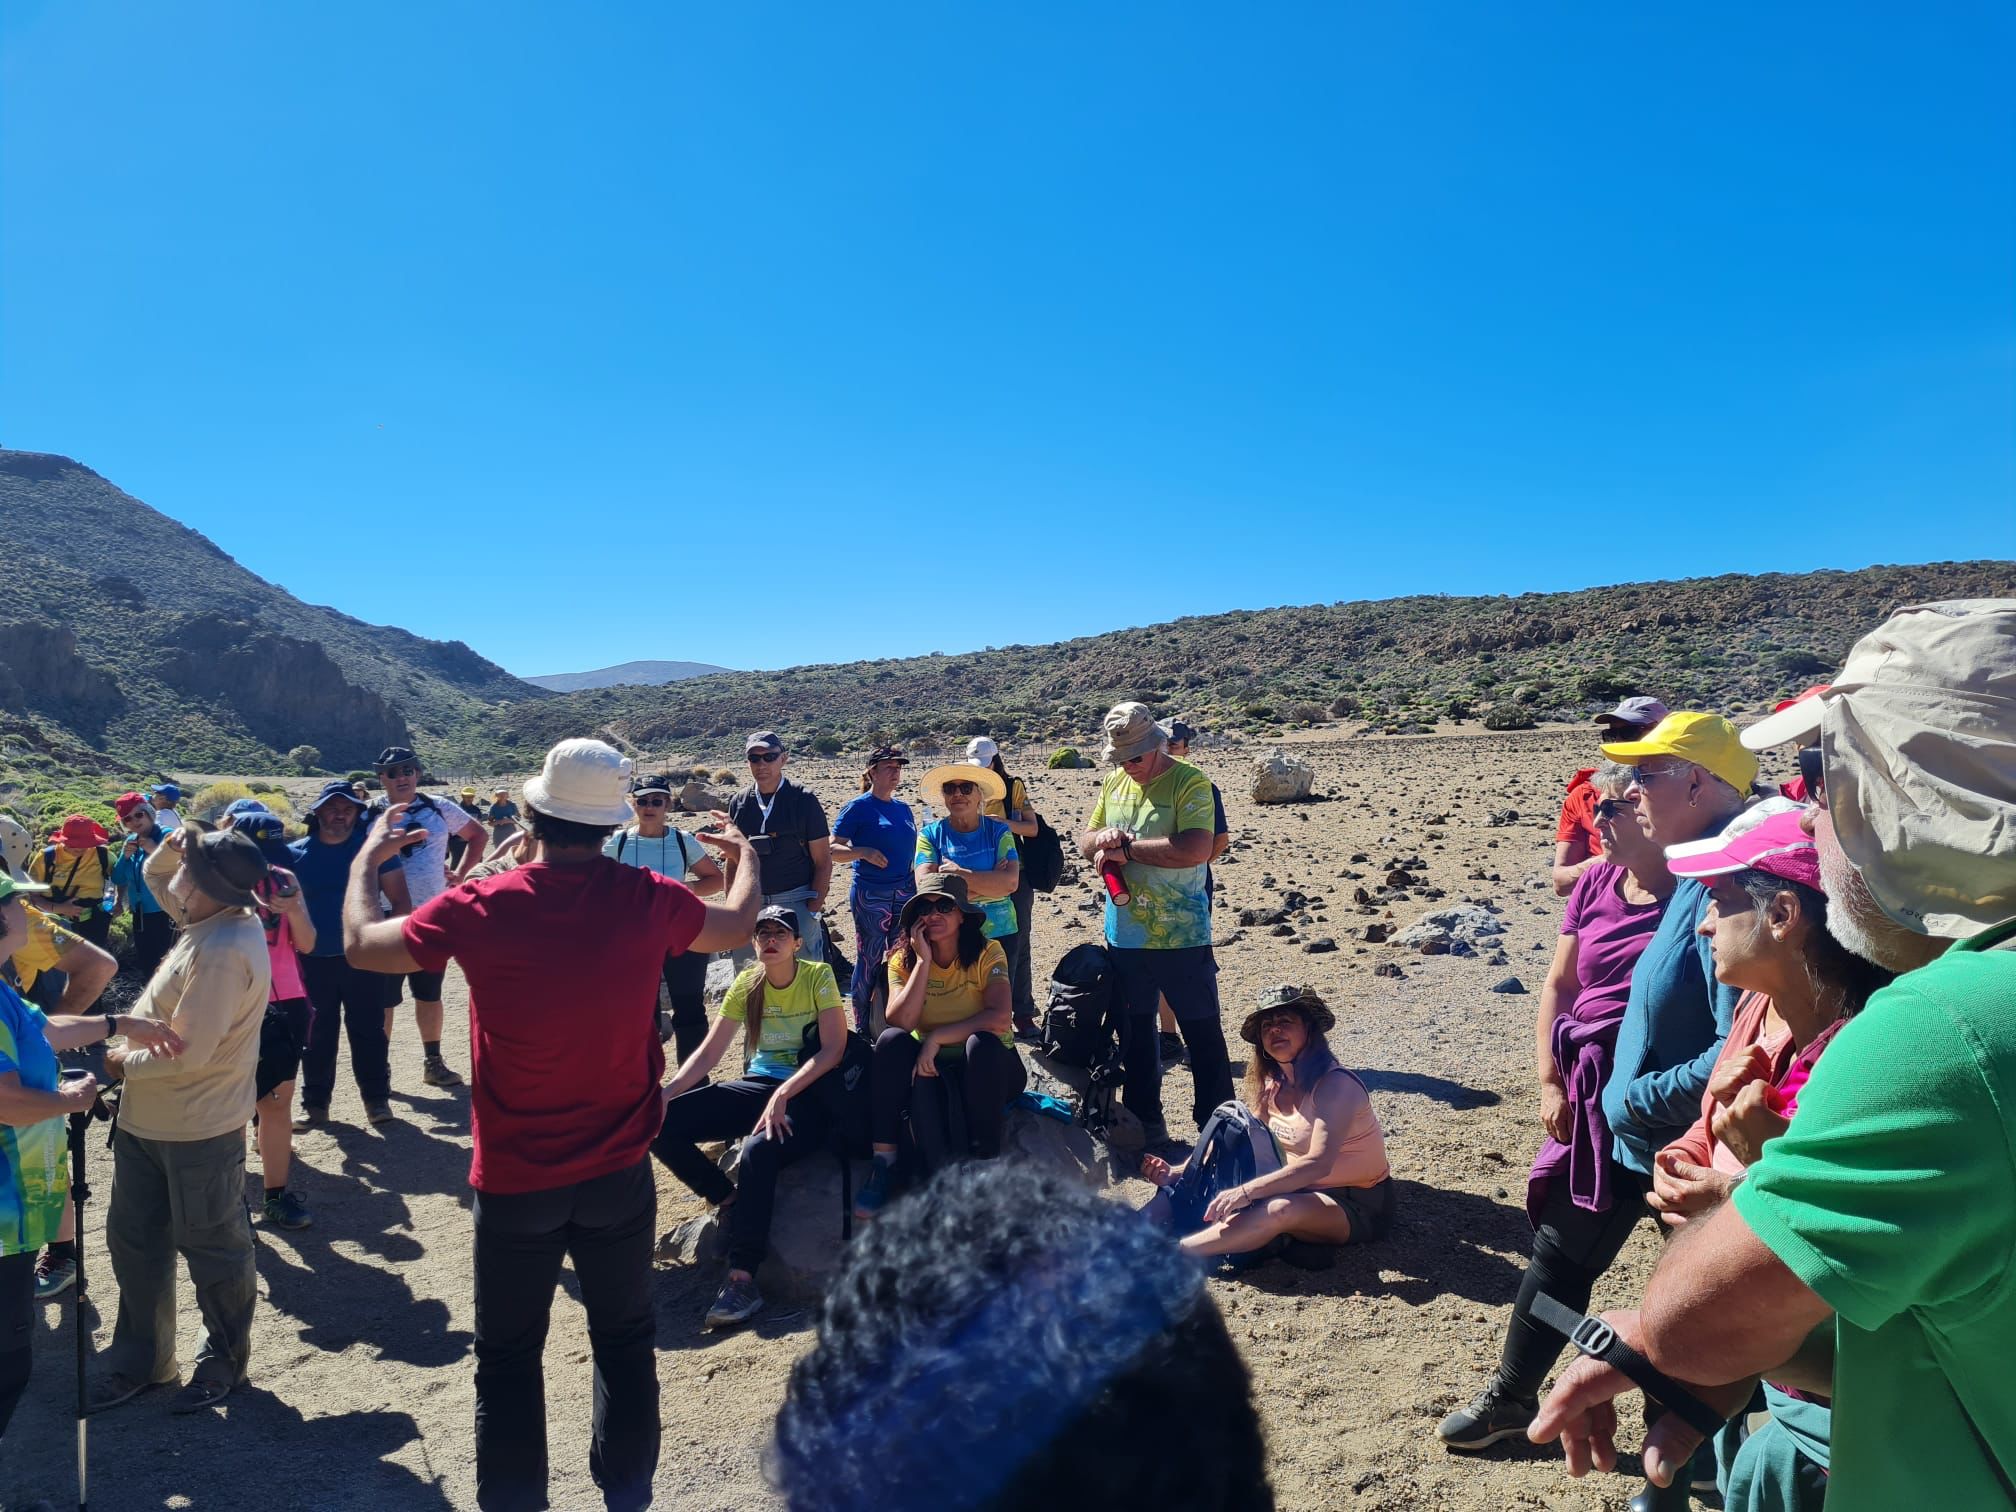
(1774, 843)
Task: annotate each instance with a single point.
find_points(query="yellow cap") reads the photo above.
(1707, 740)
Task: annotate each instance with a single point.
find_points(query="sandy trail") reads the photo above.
(362, 1382)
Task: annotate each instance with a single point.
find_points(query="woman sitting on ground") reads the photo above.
(1768, 927)
(878, 833)
(770, 1004)
(1333, 1185)
(950, 1023)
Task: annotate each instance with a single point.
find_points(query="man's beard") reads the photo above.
(1856, 921)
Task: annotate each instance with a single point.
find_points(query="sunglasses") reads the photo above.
(1812, 769)
(1644, 776)
(653, 802)
(938, 906)
(1612, 808)
(764, 758)
(958, 787)
(400, 771)
(773, 932)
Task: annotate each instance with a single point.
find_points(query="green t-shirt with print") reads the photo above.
(1168, 908)
(786, 1012)
(1893, 1196)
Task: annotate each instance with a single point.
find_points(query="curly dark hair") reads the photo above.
(1003, 1339)
(565, 833)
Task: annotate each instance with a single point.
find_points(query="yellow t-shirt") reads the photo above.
(47, 943)
(955, 992)
(787, 1011)
(76, 876)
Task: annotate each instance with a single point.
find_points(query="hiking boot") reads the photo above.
(738, 1302)
(1493, 1417)
(310, 1117)
(1171, 1046)
(114, 1389)
(286, 1211)
(378, 1112)
(54, 1277)
(874, 1193)
(435, 1073)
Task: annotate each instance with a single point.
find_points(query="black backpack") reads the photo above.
(1042, 853)
(843, 1093)
(1081, 1028)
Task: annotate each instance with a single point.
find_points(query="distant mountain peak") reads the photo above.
(639, 674)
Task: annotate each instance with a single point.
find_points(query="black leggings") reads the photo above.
(1572, 1248)
(990, 1074)
(729, 1110)
(686, 985)
(17, 1330)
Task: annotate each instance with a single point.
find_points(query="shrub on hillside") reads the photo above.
(1344, 705)
(306, 758)
(829, 745)
(365, 777)
(210, 803)
(1067, 757)
(1307, 713)
(1508, 717)
(1801, 663)
(42, 811)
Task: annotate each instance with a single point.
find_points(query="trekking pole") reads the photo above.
(80, 1193)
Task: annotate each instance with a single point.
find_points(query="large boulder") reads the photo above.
(805, 1233)
(1451, 931)
(698, 798)
(1278, 779)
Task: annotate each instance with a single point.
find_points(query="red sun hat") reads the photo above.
(1776, 842)
(125, 803)
(81, 833)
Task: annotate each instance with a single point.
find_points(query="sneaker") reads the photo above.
(1171, 1046)
(435, 1073)
(1492, 1418)
(287, 1211)
(738, 1302)
(54, 1277)
(874, 1193)
(310, 1118)
(378, 1112)
(114, 1389)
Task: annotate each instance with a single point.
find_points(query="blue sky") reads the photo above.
(764, 335)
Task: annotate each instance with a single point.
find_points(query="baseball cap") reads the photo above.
(125, 803)
(762, 740)
(1707, 740)
(246, 806)
(393, 756)
(12, 886)
(981, 751)
(657, 782)
(1637, 710)
(1176, 730)
(777, 913)
(1918, 740)
(334, 788)
(1795, 718)
(168, 791)
(1767, 837)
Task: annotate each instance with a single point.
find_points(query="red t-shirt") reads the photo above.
(1578, 814)
(563, 965)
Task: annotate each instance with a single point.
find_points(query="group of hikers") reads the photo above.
(1778, 1027)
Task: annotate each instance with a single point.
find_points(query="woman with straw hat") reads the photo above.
(966, 843)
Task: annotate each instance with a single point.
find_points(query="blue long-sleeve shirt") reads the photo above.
(1673, 1028)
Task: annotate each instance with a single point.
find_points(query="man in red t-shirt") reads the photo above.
(563, 956)
(1576, 844)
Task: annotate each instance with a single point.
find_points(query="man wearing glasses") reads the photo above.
(1153, 823)
(786, 828)
(427, 876)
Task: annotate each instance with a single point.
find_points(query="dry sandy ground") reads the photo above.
(361, 1391)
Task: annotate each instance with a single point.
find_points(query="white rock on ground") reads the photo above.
(1280, 779)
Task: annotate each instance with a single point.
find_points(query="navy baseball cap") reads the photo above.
(393, 756)
(335, 788)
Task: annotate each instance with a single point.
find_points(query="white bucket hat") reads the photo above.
(583, 782)
(1918, 743)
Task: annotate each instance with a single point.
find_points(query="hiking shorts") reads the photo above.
(426, 987)
(1370, 1209)
(282, 1038)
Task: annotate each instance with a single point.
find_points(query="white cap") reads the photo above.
(981, 751)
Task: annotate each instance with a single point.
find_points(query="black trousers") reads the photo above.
(153, 936)
(1189, 979)
(18, 1318)
(1572, 1248)
(96, 926)
(344, 995)
(1020, 983)
(729, 1110)
(990, 1074)
(605, 1226)
(686, 985)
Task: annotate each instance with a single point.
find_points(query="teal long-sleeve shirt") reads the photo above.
(1673, 1028)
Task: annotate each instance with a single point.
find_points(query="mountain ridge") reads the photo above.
(641, 674)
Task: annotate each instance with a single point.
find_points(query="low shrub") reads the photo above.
(1508, 717)
(829, 745)
(1067, 757)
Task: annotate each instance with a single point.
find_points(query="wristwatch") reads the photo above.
(1598, 1340)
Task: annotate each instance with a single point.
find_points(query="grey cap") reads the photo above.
(763, 740)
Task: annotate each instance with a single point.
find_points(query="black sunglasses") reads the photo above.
(1814, 771)
(937, 905)
(655, 801)
(1611, 808)
(958, 787)
(399, 771)
(764, 758)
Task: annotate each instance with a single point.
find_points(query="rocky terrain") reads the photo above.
(361, 1370)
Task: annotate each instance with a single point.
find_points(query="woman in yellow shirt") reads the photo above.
(950, 1021)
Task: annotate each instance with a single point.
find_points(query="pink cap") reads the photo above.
(1776, 842)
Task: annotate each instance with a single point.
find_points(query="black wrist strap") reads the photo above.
(1598, 1340)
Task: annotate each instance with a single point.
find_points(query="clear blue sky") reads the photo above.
(772, 334)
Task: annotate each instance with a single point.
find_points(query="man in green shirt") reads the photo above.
(1866, 1256)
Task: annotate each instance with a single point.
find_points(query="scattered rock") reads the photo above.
(1511, 985)
(1377, 933)
(1399, 877)
(1253, 918)
(1278, 779)
(1388, 969)
(1282, 931)
(1502, 818)
(1321, 945)
(1433, 933)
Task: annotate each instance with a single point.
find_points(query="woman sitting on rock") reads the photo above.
(950, 1031)
(1332, 1185)
(771, 1004)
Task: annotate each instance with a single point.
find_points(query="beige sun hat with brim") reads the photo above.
(17, 845)
(1918, 744)
(992, 788)
(1315, 1012)
(1131, 731)
(583, 782)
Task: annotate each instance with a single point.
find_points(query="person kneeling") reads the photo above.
(774, 1002)
(948, 1055)
(1332, 1185)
